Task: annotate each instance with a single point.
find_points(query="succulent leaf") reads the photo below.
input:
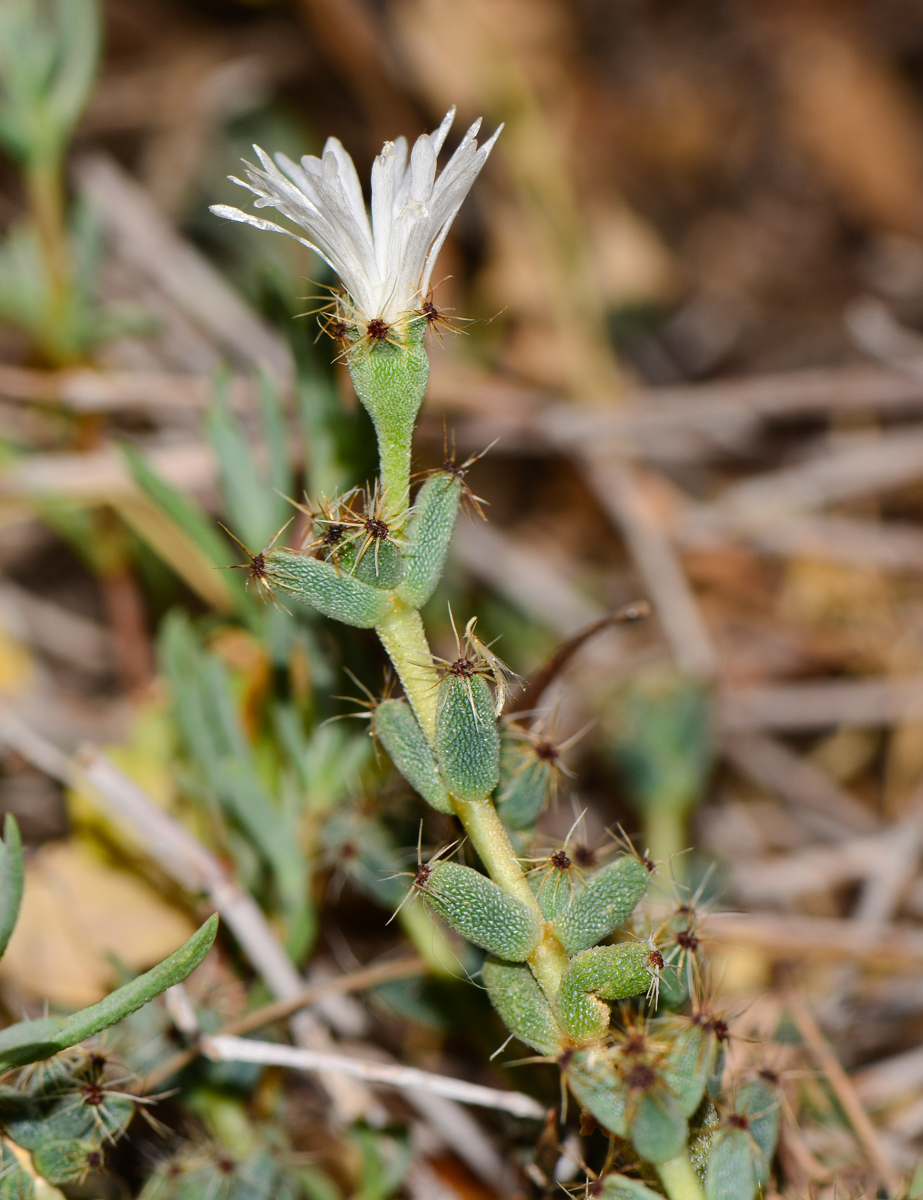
(658, 1127)
(733, 1164)
(686, 1068)
(467, 738)
(595, 976)
(593, 1078)
(598, 909)
(381, 566)
(475, 907)
(398, 730)
(522, 1005)
(759, 1103)
(525, 785)
(429, 533)
(621, 1187)
(320, 585)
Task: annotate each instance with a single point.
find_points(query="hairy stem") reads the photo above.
(665, 836)
(404, 638)
(394, 462)
(679, 1178)
(489, 838)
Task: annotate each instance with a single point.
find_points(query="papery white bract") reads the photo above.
(385, 264)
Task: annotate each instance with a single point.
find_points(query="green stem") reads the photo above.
(665, 836)
(394, 471)
(489, 838)
(679, 1178)
(45, 187)
(404, 638)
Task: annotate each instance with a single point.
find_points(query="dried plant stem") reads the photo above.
(266, 1014)
(233, 1049)
(842, 1087)
(679, 1178)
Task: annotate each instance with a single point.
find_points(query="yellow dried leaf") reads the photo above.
(76, 912)
(15, 664)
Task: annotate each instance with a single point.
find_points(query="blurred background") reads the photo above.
(684, 306)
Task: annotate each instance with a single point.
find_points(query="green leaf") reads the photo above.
(658, 1128)
(522, 1005)
(732, 1166)
(482, 912)
(593, 1078)
(595, 976)
(322, 586)
(429, 533)
(66, 1162)
(30, 1041)
(256, 510)
(183, 512)
(621, 1187)
(11, 879)
(15, 1183)
(80, 34)
(398, 730)
(467, 738)
(605, 903)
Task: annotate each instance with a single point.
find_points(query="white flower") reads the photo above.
(386, 264)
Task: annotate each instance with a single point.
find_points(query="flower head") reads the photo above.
(385, 263)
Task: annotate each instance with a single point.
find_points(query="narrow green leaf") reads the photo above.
(185, 513)
(30, 1041)
(11, 879)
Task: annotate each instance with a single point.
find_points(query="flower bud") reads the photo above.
(597, 975)
(429, 532)
(605, 903)
(522, 1005)
(475, 907)
(467, 739)
(395, 726)
(320, 585)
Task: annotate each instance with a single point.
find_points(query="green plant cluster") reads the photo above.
(59, 1122)
(560, 952)
(49, 262)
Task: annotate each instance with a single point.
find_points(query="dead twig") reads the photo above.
(621, 494)
(234, 1049)
(549, 671)
(355, 981)
(842, 1087)
(770, 764)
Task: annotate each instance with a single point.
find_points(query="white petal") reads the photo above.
(422, 170)
(349, 178)
(385, 264)
(382, 203)
(438, 136)
(401, 175)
